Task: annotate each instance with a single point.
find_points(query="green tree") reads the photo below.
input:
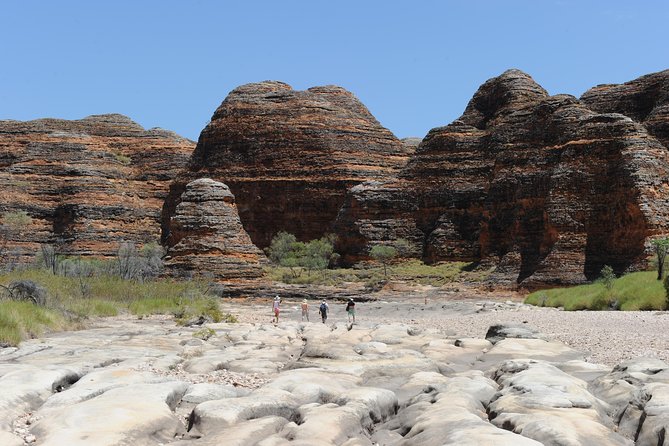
(403, 246)
(383, 254)
(318, 253)
(285, 250)
(661, 247)
(280, 246)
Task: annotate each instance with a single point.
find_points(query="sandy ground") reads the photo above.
(605, 337)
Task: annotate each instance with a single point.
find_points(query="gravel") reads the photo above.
(605, 337)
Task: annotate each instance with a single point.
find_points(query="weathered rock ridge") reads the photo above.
(88, 184)
(289, 156)
(542, 186)
(645, 100)
(206, 235)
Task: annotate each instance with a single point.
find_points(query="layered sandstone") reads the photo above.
(88, 184)
(645, 100)
(206, 235)
(289, 156)
(542, 186)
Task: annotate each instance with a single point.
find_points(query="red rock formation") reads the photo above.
(207, 237)
(87, 184)
(645, 100)
(289, 156)
(542, 186)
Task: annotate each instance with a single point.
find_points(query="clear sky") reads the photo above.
(414, 64)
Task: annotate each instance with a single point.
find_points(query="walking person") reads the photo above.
(350, 310)
(323, 310)
(305, 310)
(275, 308)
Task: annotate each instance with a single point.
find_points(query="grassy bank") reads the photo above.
(371, 273)
(70, 301)
(635, 291)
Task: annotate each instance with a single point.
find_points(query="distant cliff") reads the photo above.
(545, 189)
(549, 189)
(88, 184)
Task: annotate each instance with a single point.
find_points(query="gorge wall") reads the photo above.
(289, 156)
(548, 189)
(88, 184)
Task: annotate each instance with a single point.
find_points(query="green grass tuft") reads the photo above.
(22, 320)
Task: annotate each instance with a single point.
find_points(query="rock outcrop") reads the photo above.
(87, 185)
(206, 235)
(541, 186)
(289, 156)
(645, 100)
(317, 384)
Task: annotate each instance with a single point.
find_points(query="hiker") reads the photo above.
(323, 310)
(305, 310)
(275, 307)
(350, 310)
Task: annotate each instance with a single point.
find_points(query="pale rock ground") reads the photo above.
(409, 372)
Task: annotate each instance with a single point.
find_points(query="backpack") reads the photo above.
(323, 308)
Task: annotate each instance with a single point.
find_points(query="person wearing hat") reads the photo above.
(323, 310)
(305, 310)
(350, 310)
(275, 307)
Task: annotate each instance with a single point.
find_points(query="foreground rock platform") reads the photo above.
(150, 382)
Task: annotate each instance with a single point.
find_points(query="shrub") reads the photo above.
(661, 248)
(16, 221)
(141, 265)
(666, 291)
(383, 254)
(285, 250)
(204, 333)
(26, 290)
(607, 276)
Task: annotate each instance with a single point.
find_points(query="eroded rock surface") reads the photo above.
(150, 382)
(289, 156)
(542, 187)
(645, 100)
(206, 235)
(88, 184)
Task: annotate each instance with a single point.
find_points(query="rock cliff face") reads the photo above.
(542, 186)
(645, 100)
(289, 156)
(87, 184)
(206, 235)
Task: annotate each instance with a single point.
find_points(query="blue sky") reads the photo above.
(414, 64)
